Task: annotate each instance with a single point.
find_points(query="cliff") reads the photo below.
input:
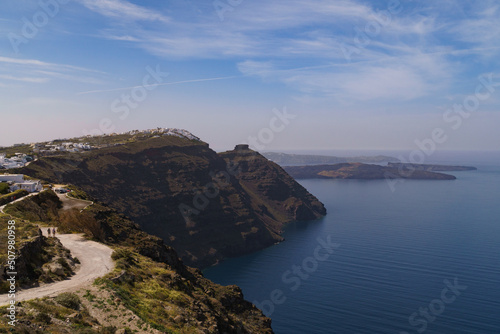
(276, 196)
(150, 290)
(203, 204)
(363, 171)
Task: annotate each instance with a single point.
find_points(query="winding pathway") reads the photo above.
(95, 259)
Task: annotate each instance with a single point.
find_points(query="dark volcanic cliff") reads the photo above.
(150, 290)
(207, 206)
(276, 196)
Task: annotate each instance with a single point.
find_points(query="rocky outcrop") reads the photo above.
(28, 258)
(42, 260)
(275, 196)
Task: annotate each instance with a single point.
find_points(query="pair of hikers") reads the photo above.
(53, 231)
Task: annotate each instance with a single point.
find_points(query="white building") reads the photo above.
(15, 178)
(16, 182)
(30, 186)
(14, 162)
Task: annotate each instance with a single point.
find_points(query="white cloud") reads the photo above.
(123, 10)
(402, 83)
(483, 29)
(24, 79)
(393, 78)
(126, 38)
(23, 70)
(42, 64)
(418, 51)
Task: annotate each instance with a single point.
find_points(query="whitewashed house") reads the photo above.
(15, 178)
(30, 186)
(17, 181)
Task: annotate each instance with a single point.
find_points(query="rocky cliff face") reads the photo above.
(41, 260)
(150, 290)
(276, 197)
(28, 259)
(206, 206)
(193, 302)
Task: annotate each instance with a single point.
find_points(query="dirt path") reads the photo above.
(95, 261)
(17, 200)
(73, 203)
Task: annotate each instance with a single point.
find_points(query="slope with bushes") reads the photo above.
(150, 289)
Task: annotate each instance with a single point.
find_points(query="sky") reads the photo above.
(280, 75)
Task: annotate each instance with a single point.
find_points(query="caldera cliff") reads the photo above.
(207, 206)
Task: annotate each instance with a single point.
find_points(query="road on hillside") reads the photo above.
(95, 261)
(73, 203)
(19, 199)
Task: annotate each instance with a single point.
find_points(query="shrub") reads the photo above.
(69, 300)
(62, 261)
(43, 318)
(74, 221)
(123, 254)
(5, 199)
(4, 188)
(108, 330)
(4, 287)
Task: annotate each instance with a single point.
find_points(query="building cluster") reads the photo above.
(56, 147)
(17, 181)
(18, 160)
(165, 132)
(43, 148)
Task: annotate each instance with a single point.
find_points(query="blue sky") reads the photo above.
(355, 74)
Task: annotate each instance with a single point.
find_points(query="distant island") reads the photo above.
(431, 168)
(362, 171)
(284, 159)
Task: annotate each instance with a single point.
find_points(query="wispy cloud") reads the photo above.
(483, 29)
(123, 10)
(406, 77)
(24, 79)
(42, 64)
(417, 52)
(155, 85)
(23, 70)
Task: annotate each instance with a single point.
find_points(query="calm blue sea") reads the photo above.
(422, 259)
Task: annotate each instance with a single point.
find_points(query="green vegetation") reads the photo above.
(47, 314)
(78, 193)
(4, 188)
(5, 199)
(45, 260)
(155, 292)
(149, 288)
(69, 300)
(12, 150)
(42, 207)
(25, 230)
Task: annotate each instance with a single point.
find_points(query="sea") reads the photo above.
(418, 257)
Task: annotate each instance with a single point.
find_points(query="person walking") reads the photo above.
(54, 232)
(48, 231)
